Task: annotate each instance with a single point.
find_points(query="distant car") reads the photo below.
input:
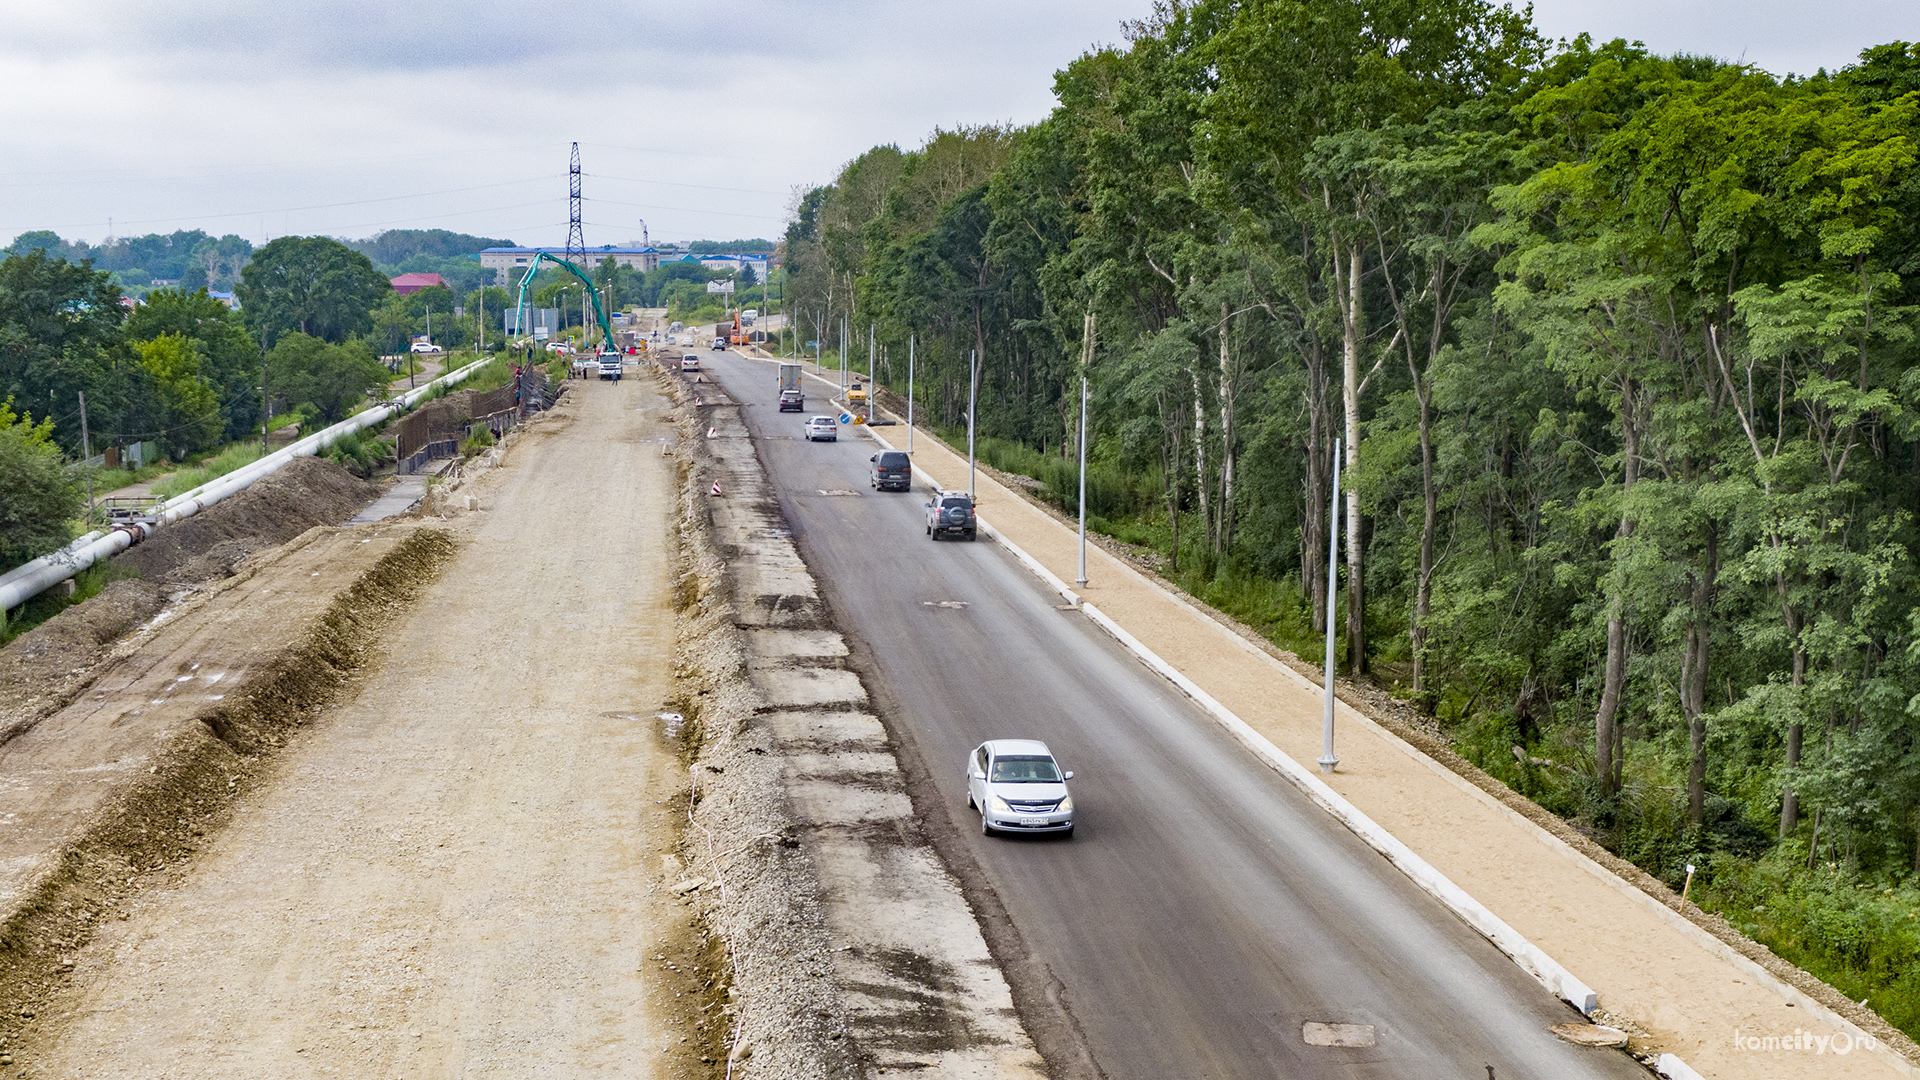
(951, 512)
(424, 347)
(856, 392)
(685, 341)
(558, 347)
(1018, 787)
(792, 401)
(689, 362)
(823, 427)
(892, 471)
(719, 343)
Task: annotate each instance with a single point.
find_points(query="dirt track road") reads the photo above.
(462, 872)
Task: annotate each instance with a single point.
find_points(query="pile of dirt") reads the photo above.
(44, 669)
(306, 492)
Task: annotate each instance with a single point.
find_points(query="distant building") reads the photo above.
(732, 264)
(226, 298)
(407, 284)
(508, 263)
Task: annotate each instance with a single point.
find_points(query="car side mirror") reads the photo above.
(875, 457)
(1068, 775)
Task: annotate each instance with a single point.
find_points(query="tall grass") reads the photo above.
(233, 457)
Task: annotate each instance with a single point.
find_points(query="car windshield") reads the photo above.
(893, 460)
(1025, 770)
(954, 504)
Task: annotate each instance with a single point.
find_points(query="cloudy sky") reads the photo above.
(345, 117)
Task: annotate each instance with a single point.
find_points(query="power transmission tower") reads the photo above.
(576, 245)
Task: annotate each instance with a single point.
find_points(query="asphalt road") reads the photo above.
(1205, 910)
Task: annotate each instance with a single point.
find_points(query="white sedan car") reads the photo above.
(1018, 787)
(823, 428)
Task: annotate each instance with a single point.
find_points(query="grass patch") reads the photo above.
(234, 456)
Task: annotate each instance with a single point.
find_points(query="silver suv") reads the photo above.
(951, 512)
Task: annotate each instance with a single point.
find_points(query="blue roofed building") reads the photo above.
(509, 263)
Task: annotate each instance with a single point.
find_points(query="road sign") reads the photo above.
(846, 418)
(813, 344)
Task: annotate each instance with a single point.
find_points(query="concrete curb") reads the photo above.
(1671, 1067)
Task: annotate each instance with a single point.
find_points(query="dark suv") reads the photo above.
(951, 512)
(892, 471)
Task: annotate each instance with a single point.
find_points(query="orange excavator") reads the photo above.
(738, 336)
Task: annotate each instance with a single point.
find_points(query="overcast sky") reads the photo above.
(265, 118)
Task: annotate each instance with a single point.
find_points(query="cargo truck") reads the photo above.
(791, 398)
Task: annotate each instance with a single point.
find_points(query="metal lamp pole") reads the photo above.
(1327, 760)
(909, 394)
(1086, 362)
(973, 383)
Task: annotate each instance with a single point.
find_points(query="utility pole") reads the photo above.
(1086, 362)
(266, 400)
(909, 393)
(843, 356)
(86, 455)
(1327, 760)
(873, 379)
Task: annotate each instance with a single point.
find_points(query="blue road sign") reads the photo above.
(846, 418)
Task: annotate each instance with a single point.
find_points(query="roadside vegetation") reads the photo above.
(1619, 349)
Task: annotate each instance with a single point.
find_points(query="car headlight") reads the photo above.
(1065, 807)
(1000, 805)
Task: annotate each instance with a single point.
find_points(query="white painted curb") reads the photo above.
(1673, 1068)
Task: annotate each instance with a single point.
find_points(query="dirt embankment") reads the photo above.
(151, 813)
(46, 668)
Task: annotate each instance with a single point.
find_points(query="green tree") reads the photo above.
(311, 285)
(42, 494)
(60, 332)
(188, 412)
(334, 379)
(229, 359)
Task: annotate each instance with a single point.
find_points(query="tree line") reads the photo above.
(1617, 349)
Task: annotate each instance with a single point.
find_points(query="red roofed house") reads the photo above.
(413, 283)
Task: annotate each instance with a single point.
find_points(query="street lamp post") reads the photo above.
(973, 383)
(909, 395)
(1327, 760)
(1086, 362)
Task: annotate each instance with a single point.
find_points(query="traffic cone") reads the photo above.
(716, 487)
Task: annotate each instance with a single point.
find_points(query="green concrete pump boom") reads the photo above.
(599, 309)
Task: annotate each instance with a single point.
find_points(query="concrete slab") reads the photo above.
(406, 492)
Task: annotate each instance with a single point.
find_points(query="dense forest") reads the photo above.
(1618, 352)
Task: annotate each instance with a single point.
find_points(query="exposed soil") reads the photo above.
(464, 866)
(306, 492)
(44, 669)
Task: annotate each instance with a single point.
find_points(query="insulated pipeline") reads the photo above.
(29, 580)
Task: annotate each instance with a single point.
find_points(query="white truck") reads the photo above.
(791, 398)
